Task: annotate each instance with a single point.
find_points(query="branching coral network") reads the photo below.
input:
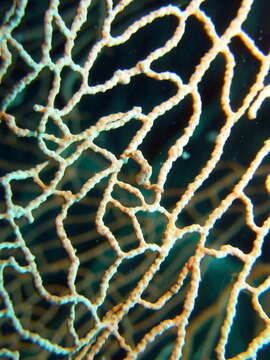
(148, 251)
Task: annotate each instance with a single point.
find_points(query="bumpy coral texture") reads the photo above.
(134, 184)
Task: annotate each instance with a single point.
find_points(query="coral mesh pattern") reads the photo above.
(104, 253)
